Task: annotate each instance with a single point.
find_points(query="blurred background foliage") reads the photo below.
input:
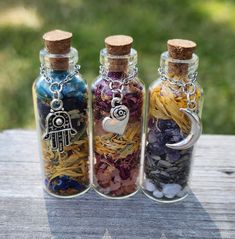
(151, 22)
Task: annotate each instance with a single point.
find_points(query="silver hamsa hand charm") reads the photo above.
(117, 122)
(59, 130)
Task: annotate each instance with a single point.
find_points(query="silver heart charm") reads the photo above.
(117, 122)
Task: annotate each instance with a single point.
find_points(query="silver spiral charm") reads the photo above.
(119, 112)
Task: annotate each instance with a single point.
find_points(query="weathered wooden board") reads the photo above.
(27, 212)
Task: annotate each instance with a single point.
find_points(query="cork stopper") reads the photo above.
(118, 45)
(58, 42)
(182, 50)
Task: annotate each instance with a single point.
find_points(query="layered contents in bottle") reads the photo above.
(66, 172)
(117, 101)
(166, 170)
(62, 132)
(117, 157)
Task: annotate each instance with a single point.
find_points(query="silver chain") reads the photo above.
(188, 88)
(117, 91)
(57, 87)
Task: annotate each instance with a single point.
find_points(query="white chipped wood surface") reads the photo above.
(27, 212)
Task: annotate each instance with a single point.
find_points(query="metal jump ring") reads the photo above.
(57, 102)
(55, 84)
(117, 96)
(187, 88)
(192, 105)
(56, 95)
(115, 81)
(115, 100)
(189, 98)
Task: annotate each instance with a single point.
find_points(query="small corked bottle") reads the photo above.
(174, 126)
(117, 106)
(61, 110)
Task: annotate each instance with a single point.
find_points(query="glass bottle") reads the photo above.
(61, 110)
(173, 124)
(117, 106)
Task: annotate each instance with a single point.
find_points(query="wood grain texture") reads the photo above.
(27, 212)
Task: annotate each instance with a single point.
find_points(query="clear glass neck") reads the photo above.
(178, 68)
(119, 64)
(59, 62)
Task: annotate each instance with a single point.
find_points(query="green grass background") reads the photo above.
(151, 23)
